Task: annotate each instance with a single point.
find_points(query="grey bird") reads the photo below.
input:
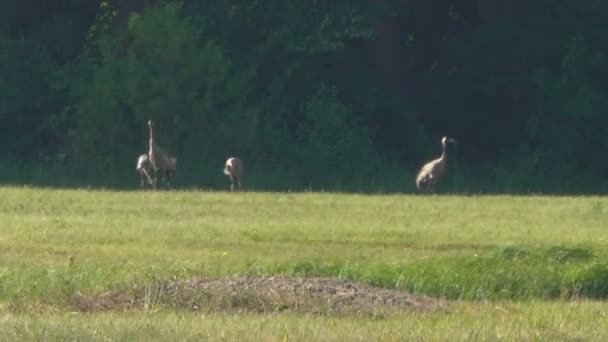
(162, 162)
(430, 172)
(234, 170)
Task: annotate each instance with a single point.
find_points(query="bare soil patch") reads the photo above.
(259, 294)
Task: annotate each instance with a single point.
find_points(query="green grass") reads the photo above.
(582, 321)
(57, 243)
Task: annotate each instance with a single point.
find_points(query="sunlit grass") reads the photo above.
(539, 321)
(55, 243)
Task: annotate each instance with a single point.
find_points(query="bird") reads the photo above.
(144, 168)
(162, 162)
(234, 170)
(432, 171)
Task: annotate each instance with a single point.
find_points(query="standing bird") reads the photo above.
(432, 171)
(234, 170)
(144, 168)
(162, 162)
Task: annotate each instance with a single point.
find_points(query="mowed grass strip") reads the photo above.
(55, 243)
(465, 321)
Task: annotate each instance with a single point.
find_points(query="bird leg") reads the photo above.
(145, 177)
(155, 179)
(167, 178)
(432, 186)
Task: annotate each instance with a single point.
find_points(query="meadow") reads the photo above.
(513, 267)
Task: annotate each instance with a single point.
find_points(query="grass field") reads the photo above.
(511, 267)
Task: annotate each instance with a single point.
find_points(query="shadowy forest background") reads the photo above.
(335, 95)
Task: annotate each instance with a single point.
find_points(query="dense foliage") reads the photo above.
(346, 95)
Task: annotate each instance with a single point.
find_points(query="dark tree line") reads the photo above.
(346, 95)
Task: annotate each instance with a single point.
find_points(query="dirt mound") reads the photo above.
(258, 294)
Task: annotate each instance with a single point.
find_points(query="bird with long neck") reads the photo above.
(430, 173)
(161, 160)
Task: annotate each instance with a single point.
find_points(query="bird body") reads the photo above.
(162, 162)
(433, 170)
(144, 168)
(234, 170)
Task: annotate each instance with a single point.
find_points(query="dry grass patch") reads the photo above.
(258, 294)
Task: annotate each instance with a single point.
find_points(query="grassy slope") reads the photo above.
(57, 242)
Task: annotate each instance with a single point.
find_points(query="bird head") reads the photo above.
(150, 123)
(446, 140)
